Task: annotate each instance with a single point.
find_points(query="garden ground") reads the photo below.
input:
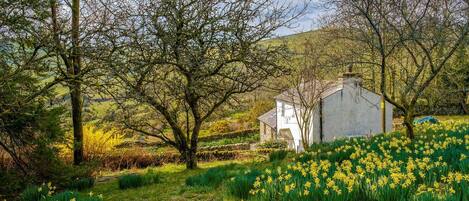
(171, 187)
(173, 184)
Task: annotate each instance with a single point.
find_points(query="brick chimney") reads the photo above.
(351, 78)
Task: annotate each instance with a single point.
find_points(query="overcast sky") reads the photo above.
(309, 21)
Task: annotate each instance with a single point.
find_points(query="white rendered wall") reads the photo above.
(288, 121)
(353, 111)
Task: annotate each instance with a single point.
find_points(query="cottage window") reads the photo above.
(283, 109)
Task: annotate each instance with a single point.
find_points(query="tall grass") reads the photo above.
(47, 193)
(71, 195)
(137, 180)
(212, 177)
(240, 185)
(278, 155)
(35, 193)
(81, 184)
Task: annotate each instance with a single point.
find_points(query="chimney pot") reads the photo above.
(351, 77)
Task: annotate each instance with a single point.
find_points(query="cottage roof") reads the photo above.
(324, 88)
(269, 118)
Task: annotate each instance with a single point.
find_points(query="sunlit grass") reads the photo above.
(171, 187)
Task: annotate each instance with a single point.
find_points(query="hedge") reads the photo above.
(228, 147)
(242, 133)
(142, 159)
(212, 137)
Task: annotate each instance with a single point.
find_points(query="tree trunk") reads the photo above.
(191, 159)
(463, 103)
(409, 124)
(464, 108)
(77, 120)
(191, 154)
(321, 124)
(305, 131)
(383, 113)
(383, 92)
(75, 88)
(305, 144)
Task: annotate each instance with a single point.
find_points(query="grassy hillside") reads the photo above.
(296, 41)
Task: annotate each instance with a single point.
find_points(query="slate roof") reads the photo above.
(327, 87)
(269, 118)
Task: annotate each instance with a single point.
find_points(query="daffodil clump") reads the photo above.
(433, 166)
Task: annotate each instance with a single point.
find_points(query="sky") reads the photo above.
(309, 21)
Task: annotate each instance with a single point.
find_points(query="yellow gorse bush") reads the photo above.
(434, 165)
(96, 142)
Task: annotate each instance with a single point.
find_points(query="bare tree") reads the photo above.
(413, 39)
(174, 63)
(68, 36)
(308, 84)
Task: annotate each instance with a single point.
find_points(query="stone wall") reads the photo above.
(267, 133)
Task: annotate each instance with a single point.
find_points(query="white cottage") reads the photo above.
(348, 110)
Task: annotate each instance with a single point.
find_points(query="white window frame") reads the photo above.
(283, 109)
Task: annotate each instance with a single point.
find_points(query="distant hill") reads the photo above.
(296, 41)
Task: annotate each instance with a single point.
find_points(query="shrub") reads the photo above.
(96, 143)
(137, 180)
(240, 185)
(221, 126)
(54, 172)
(25, 128)
(81, 184)
(260, 107)
(65, 175)
(213, 177)
(278, 155)
(14, 183)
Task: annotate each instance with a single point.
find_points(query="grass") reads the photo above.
(172, 186)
